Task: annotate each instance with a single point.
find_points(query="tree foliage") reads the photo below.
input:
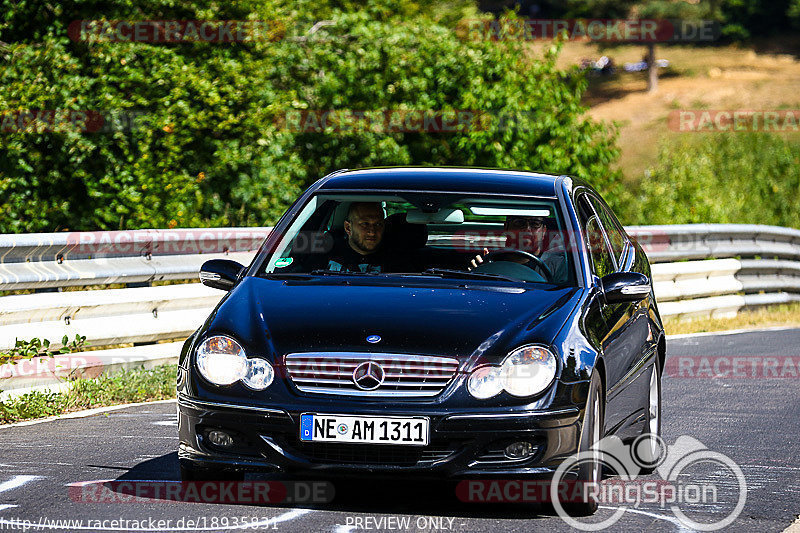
(208, 145)
(761, 182)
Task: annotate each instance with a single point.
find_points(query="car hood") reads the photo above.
(282, 317)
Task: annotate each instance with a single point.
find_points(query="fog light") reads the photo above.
(520, 450)
(220, 438)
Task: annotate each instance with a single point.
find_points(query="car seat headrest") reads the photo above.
(400, 234)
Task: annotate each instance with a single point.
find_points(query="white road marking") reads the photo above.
(341, 528)
(7, 506)
(166, 423)
(148, 437)
(794, 528)
(671, 519)
(15, 482)
(83, 414)
(772, 467)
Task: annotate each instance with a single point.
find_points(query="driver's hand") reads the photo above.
(478, 259)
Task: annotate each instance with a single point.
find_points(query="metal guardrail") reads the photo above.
(48, 260)
(719, 269)
(136, 314)
(698, 269)
(705, 241)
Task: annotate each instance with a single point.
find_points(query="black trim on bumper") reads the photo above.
(461, 445)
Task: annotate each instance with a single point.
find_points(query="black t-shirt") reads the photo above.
(344, 258)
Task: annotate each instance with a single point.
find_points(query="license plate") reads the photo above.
(412, 431)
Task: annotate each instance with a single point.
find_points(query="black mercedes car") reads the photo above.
(452, 322)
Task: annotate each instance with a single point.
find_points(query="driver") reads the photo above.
(530, 234)
(362, 251)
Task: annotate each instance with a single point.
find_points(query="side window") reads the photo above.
(615, 236)
(599, 253)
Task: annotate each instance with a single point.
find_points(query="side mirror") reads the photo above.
(220, 273)
(622, 287)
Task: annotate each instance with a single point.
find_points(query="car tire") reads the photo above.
(591, 432)
(648, 446)
(190, 472)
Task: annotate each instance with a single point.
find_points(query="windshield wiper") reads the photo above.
(448, 273)
(437, 272)
(324, 272)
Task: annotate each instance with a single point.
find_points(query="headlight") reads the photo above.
(222, 361)
(259, 374)
(528, 370)
(525, 372)
(485, 382)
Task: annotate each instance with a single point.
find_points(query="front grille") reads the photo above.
(367, 454)
(403, 374)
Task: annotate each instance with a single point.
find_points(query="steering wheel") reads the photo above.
(521, 257)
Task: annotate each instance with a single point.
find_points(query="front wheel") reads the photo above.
(648, 447)
(590, 471)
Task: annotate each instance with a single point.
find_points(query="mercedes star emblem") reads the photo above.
(368, 375)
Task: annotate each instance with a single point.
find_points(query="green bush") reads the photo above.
(746, 178)
(127, 386)
(209, 149)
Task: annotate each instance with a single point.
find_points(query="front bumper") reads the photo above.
(461, 445)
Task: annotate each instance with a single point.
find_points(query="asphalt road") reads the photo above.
(750, 413)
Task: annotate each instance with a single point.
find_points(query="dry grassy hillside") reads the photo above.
(717, 78)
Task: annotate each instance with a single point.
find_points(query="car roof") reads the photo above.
(444, 179)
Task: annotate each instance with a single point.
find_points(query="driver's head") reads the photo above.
(528, 233)
(364, 226)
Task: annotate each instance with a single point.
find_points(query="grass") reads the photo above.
(761, 75)
(128, 386)
(777, 315)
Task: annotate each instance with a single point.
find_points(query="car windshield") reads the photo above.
(414, 234)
